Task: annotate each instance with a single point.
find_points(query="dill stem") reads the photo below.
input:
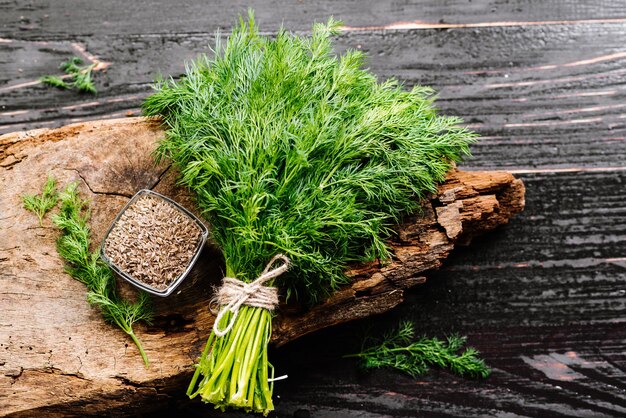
(234, 368)
(265, 388)
(254, 366)
(242, 370)
(139, 347)
(377, 350)
(192, 384)
(354, 355)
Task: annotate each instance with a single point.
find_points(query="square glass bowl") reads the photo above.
(153, 243)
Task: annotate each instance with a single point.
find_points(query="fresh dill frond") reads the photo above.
(80, 76)
(40, 204)
(88, 268)
(400, 350)
(54, 81)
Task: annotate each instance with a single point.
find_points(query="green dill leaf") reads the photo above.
(80, 76)
(88, 268)
(399, 350)
(40, 204)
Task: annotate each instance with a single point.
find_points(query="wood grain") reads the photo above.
(62, 18)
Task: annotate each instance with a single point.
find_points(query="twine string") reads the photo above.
(234, 293)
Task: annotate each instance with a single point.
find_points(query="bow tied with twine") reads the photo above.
(234, 293)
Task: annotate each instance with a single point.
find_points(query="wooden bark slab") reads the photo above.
(56, 353)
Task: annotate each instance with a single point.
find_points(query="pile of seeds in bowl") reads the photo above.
(153, 242)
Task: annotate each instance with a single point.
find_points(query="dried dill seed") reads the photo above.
(153, 242)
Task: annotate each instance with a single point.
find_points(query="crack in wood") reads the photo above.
(98, 192)
(161, 175)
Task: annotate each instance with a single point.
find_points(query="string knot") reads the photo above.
(234, 293)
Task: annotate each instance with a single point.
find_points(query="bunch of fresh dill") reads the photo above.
(400, 350)
(79, 76)
(86, 266)
(291, 149)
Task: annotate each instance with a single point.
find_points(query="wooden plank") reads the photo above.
(539, 102)
(64, 18)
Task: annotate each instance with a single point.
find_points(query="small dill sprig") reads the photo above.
(40, 204)
(87, 267)
(79, 76)
(400, 350)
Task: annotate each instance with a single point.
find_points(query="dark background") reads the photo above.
(543, 83)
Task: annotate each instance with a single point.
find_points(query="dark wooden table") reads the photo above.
(544, 84)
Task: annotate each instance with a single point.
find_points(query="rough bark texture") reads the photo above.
(56, 353)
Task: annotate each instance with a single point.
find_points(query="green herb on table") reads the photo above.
(78, 76)
(400, 350)
(40, 204)
(293, 150)
(87, 267)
